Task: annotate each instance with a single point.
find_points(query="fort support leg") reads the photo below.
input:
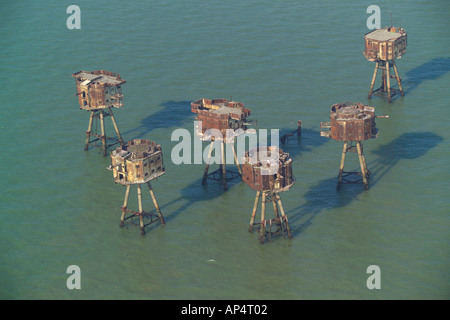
(102, 125)
(89, 130)
(383, 76)
(116, 127)
(262, 230)
(270, 229)
(284, 218)
(399, 81)
(365, 165)
(224, 170)
(255, 208)
(124, 207)
(341, 167)
(362, 161)
(373, 81)
(299, 127)
(158, 211)
(205, 173)
(140, 213)
(388, 80)
(236, 160)
(274, 202)
(275, 198)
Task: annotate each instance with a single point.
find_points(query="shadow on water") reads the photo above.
(196, 192)
(407, 146)
(430, 70)
(173, 114)
(324, 195)
(296, 145)
(193, 193)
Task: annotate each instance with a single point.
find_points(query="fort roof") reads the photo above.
(383, 35)
(100, 78)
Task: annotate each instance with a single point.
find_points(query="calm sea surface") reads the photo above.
(286, 61)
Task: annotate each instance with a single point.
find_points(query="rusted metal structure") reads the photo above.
(221, 120)
(351, 123)
(139, 162)
(268, 171)
(222, 115)
(383, 46)
(98, 92)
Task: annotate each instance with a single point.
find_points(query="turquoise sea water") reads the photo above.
(286, 61)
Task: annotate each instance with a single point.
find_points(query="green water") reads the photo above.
(286, 61)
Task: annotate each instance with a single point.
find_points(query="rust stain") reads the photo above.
(98, 89)
(138, 162)
(264, 175)
(385, 44)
